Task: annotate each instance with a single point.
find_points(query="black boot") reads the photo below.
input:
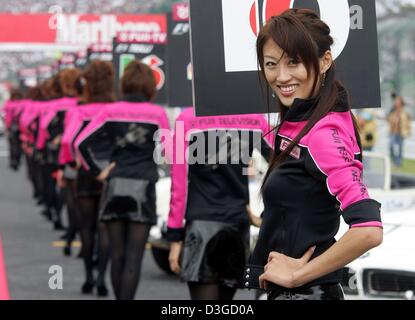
(102, 290)
(57, 225)
(87, 287)
(67, 251)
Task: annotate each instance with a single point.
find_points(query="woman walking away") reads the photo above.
(128, 206)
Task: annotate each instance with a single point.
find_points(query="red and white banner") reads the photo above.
(73, 30)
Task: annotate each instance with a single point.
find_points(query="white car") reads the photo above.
(387, 271)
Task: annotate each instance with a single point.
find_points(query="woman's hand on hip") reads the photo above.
(280, 269)
(104, 173)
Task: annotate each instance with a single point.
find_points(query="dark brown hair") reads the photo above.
(68, 81)
(99, 78)
(34, 93)
(302, 35)
(51, 88)
(16, 94)
(138, 78)
(55, 90)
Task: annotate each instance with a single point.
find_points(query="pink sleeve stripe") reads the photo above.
(179, 173)
(368, 224)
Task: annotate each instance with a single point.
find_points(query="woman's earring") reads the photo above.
(323, 80)
(273, 95)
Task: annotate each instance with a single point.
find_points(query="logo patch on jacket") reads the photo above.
(295, 152)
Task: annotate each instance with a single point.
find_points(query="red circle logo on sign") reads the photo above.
(270, 8)
(154, 62)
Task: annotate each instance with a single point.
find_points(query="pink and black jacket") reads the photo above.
(12, 110)
(126, 130)
(76, 119)
(29, 123)
(51, 120)
(212, 188)
(320, 181)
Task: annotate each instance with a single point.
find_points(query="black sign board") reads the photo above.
(223, 36)
(179, 67)
(152, 54)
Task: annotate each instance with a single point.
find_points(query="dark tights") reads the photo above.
(37, 175)
(53, 195)
(210, 291)
(72, 210)
(128, 240)
(88, 209)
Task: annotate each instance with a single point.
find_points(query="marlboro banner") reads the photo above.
(224, 60)
(74, 31)
(179, 67)
(152, 54)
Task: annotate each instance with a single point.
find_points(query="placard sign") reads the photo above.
(223, 37)
(179, 67)
(152, 54)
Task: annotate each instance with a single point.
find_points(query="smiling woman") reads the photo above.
(315, 175)
(288, 77)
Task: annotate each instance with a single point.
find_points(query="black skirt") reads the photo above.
(317, 292)
(127, 199)
(215, 252)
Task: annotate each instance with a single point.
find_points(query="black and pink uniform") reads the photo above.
(305, 196)
(127, 130)
(29, 124)
(76, 119)
(210, 191)
(213, 190)
(12, 111)
(51, 126)
(47, 145)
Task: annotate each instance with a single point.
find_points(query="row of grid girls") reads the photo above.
(94, 154)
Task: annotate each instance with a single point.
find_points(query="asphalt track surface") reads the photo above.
(31, 247)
